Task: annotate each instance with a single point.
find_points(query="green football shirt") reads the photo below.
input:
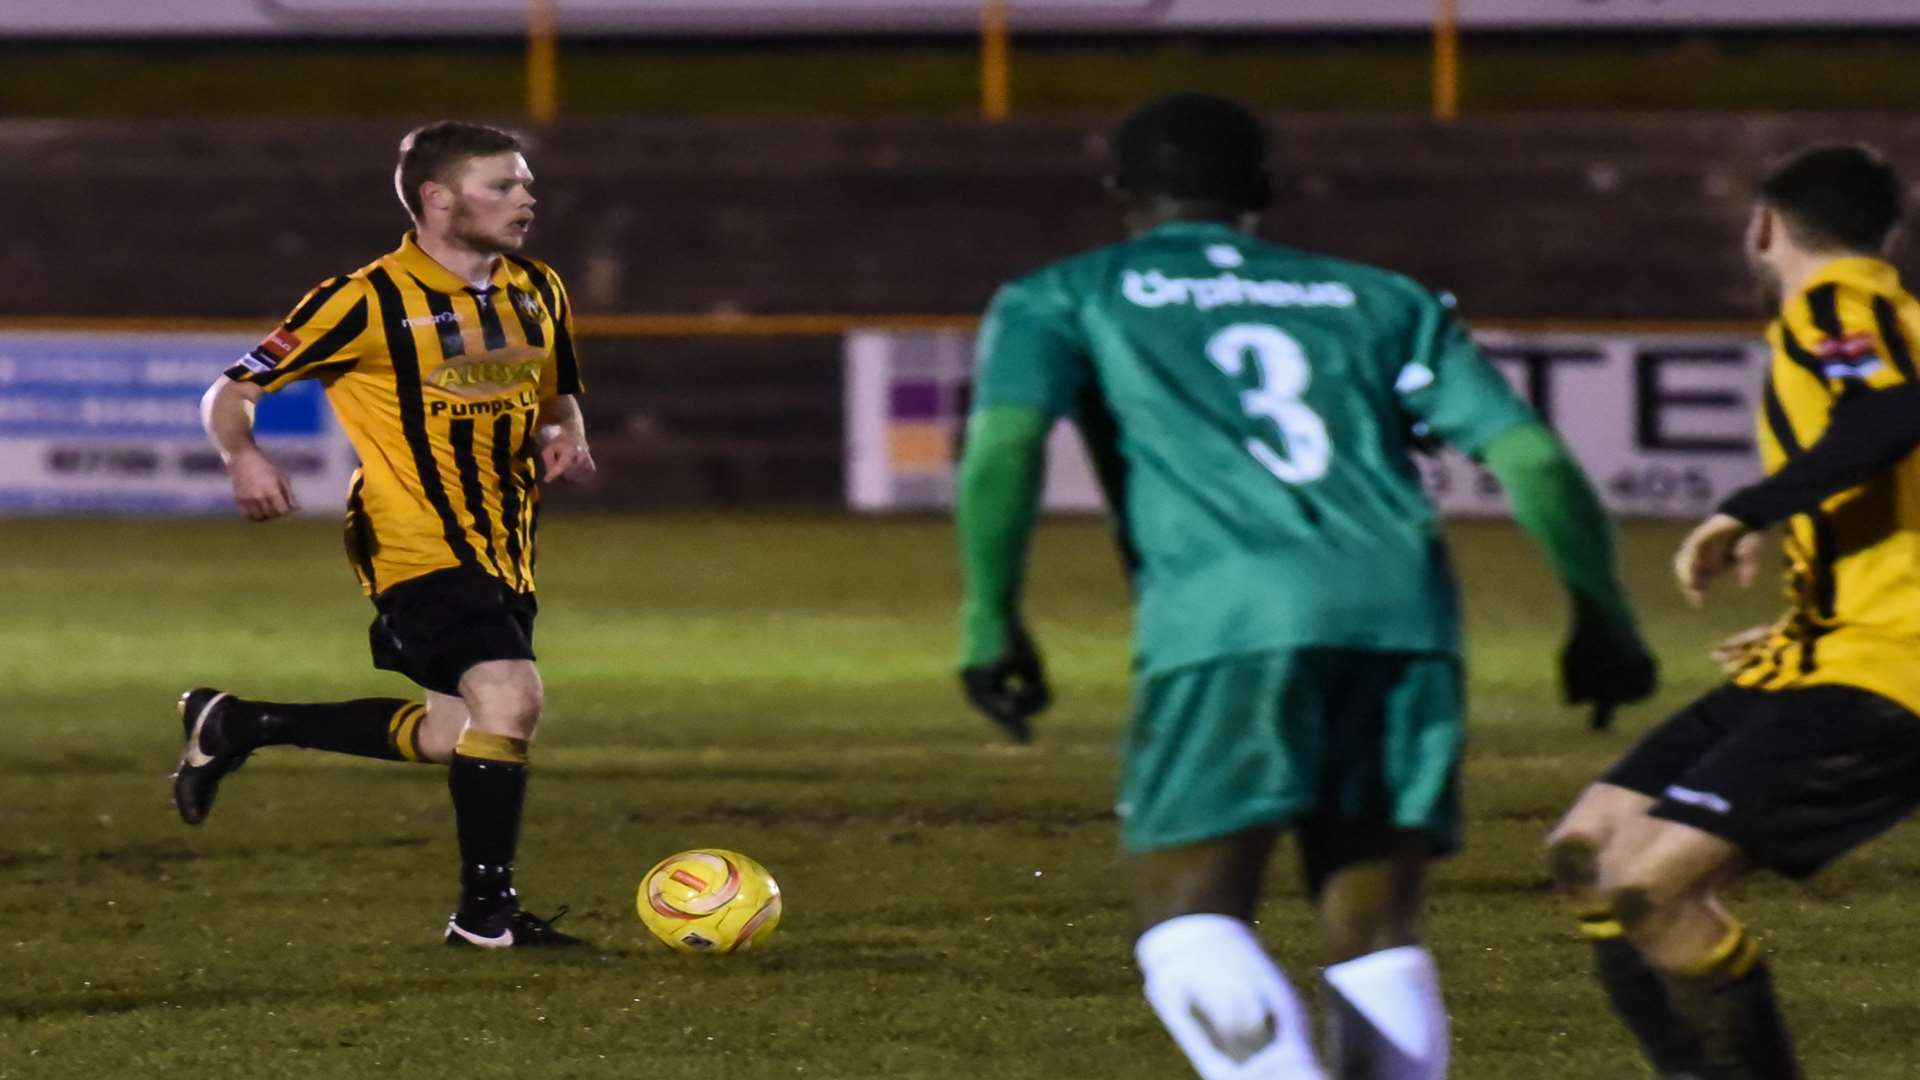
(1263, 403)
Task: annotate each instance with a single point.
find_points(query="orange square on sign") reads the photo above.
(923, 446)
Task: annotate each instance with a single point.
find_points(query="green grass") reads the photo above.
(778, 685)
(608, 77)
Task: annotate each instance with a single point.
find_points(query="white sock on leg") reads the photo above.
(1225, 1001)
(1394, 1016)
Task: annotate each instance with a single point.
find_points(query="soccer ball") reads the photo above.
(709, 902)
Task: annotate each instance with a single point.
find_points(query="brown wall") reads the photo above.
(1578, 217)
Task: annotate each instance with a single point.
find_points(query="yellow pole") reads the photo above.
(543, 62)
(996, 74)
(1446, 60)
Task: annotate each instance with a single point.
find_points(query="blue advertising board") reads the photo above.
(110, 423)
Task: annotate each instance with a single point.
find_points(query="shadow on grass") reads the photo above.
(767, 815)
(111, 1003)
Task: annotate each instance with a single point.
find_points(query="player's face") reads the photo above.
(492, 203)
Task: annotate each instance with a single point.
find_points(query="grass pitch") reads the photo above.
(780, 686)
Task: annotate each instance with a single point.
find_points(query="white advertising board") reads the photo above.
(110, 423)
(1663, 423)
(453, 18)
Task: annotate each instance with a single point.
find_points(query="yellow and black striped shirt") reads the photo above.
(1853, 564)
(438, 385)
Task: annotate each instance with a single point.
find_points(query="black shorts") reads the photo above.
(434, 627)
(1793, 778)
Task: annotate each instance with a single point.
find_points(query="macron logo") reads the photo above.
(1154, 289)
(1705, 800)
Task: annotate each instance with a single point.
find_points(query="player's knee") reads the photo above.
(1637, 908)
(1349, 930)
(504, 697)
(1573, 862)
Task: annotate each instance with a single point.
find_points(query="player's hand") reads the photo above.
(1011, 689)
(1731, 654)
(564, 454)
(1605, 664)
(260, 489)
(1716, 545)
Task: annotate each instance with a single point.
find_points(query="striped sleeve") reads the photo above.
(563, 375)
(325, 334)
(1850, 338)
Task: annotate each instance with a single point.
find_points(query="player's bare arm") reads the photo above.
(260, 489)
(563, 441)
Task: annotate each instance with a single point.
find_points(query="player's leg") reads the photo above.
(1395, 732)
(1613, 820)
(1664, 899)
(1209, 778)
(222, 730)
(1610, 821)
(1386, 1017)
(1215, 988)
(488, 781)
(468, 640)
(1792, 780)
(429, 629)
(440, 730)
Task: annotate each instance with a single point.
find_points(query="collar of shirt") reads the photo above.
(1874, 275)
(424, 267)
(1198, 226)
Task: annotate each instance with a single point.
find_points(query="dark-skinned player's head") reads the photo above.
(1191, 157)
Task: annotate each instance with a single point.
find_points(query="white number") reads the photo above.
(1283, 378)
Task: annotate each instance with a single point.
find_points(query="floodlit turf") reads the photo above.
(778, 686)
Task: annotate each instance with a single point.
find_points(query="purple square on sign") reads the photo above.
(915, 401)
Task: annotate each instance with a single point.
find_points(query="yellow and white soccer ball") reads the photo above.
(710, 902)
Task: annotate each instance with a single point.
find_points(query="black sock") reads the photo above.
(1740, 1023)
(487, 799)
(1639, 996)
(384, 728)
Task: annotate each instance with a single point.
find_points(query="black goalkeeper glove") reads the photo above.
(1012, 690)
(1606, 664)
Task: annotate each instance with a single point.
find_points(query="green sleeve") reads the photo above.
(1558, 508)
(1029, 350)
(995, 505)
(1450, 388)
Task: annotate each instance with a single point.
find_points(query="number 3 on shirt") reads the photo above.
(1283, 378)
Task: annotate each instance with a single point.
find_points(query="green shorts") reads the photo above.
(1349, 746)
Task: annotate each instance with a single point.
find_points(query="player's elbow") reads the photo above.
(1528, 454)
(226, 397)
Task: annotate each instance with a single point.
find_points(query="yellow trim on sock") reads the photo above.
(1602, 928)
(403, 731)
(1733, 956)
(1744, 960)
(487, 746)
